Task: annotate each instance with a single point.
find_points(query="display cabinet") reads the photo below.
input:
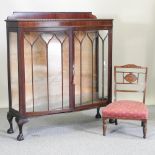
(57, 62)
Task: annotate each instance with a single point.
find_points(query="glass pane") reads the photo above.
(39, 75)
(87, 86)
(14, 69)
(55, 78)
(65, 48)
(58, 59)
(28, 75)
(103, 64)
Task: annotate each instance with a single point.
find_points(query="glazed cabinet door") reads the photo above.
(46, 56)
(58, 77)
(91, 67)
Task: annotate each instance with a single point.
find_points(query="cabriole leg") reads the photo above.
(20, 123)
(10, 118)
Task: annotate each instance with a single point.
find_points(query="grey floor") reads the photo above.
(77, 133)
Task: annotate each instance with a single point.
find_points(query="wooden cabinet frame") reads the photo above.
(48, 22)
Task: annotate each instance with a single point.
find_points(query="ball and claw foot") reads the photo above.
(98, 115)
(20, 123)
(20, 137)
(10, 131)
(10, 118)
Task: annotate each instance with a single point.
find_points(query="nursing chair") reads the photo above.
(128, 79)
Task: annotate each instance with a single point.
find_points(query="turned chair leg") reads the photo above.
(10, 118)
(104, 126)
(144, 128)
(116, 122)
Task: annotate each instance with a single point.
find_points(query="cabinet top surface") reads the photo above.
(56, 19)
(43, 16)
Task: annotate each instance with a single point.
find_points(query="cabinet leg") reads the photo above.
(98, 115)
(20, 123)
(10, 118)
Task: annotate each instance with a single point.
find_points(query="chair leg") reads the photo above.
(144, 128)
(111, 120)
(116, 122)
(104, 126)
(142, 123)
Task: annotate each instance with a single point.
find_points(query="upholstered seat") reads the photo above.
(128, 79)
(126, 109)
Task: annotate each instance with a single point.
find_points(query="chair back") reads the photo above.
(130, 79)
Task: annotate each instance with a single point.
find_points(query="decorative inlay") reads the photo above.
(130, 77)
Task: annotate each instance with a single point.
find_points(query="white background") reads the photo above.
(134, 31)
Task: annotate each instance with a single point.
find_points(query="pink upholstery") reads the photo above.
(126, 109)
